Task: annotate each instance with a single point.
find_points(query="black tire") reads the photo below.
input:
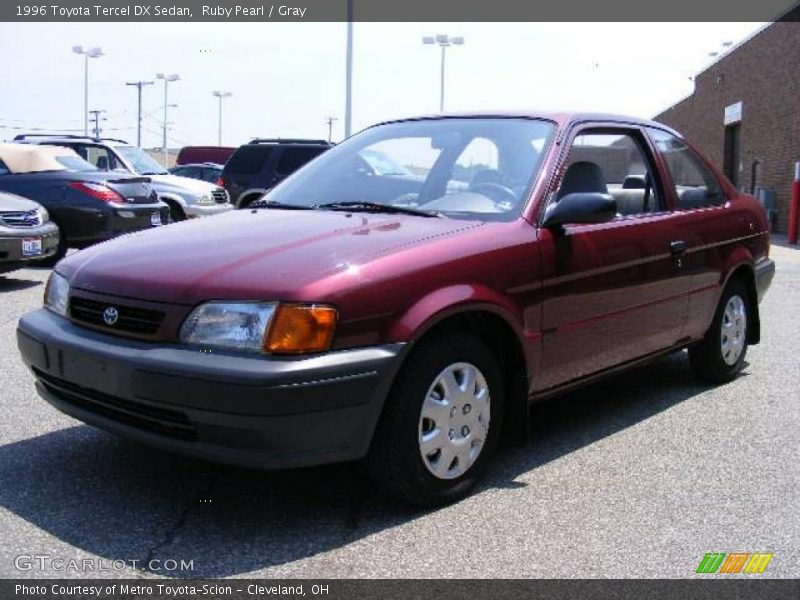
(395, 459)
(176, 213)
(61, 252)
(708, 362)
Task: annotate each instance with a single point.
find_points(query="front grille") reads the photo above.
(220, 196)
(172, 423)
(139, 321)
(24, 219)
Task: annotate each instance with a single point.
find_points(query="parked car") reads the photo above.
(204, 154)
(87, 205)
(406, 320)
(187, 198)
(210, 172)
(260, 165)
(26, 233)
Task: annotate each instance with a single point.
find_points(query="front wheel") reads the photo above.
(441, 422)
(720, 356)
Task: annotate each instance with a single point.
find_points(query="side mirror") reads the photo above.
(580, 207)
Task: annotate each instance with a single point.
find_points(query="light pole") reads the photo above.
(87, 53)
(139, 85)
(444, 41)
(167, 80)
(220, 95)
(348, 73)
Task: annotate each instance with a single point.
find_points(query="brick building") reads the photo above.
(744, 113)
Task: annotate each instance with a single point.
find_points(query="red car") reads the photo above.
(408, 315)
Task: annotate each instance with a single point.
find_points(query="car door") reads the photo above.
(614, 291)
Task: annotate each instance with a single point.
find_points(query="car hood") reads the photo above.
(12, 202)
(248, 255)
(178, 184)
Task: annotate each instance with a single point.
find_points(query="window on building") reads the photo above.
(695, 184)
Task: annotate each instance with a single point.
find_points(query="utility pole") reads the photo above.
(139, 85)
(96, 116)
(329, 122)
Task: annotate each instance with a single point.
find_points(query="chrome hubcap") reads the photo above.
(454, 421)
(734, 330)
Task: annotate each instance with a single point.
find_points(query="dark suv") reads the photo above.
(260, 165)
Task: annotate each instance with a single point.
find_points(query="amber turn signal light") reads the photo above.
(300, 329)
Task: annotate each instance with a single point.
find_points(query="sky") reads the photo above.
(286, 79)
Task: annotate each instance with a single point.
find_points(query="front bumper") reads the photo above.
(11, 256)
(246, 410)
(764, 271)
(206, 210)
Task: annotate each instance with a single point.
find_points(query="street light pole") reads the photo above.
(87, 53)
(96, 116)
(348, 77)
(220, 95)
(167, 79)
(139, 85)
(444, 41)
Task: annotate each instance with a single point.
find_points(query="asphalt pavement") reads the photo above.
(638, 476)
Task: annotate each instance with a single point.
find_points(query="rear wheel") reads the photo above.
(441, 422)
(720, 356)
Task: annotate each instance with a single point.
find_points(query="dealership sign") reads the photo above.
(733, 113)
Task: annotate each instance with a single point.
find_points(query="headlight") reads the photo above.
(235, 325)
(261, 327)
(207, 198)
(56, 294)
(44, 216)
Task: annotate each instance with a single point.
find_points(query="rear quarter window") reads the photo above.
(696, 186)
(4, 170)
(249, 160)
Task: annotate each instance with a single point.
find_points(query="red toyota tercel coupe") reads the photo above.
(406, 295)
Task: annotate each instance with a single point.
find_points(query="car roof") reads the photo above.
(290, 141)
(43, 138)
(26, 158)
(561, 118)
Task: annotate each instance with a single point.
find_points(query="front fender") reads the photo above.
(173, 197)
(436, 306)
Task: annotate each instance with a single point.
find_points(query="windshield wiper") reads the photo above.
(377, 207)
(276, 204)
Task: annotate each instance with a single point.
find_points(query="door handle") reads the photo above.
(677, 247)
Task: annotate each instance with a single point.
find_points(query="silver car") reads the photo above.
(26, 233)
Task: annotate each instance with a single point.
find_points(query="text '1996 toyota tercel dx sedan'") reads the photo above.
(408, 316)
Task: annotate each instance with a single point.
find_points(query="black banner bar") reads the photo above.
(739, 588)
(397, 10)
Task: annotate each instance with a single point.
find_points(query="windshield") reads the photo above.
(141, 161)
(475, 168)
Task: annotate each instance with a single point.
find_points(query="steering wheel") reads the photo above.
(492, 190)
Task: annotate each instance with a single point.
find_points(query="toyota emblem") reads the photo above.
(110, 315)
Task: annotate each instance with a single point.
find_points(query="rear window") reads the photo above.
(293, 158)
(249, 159)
